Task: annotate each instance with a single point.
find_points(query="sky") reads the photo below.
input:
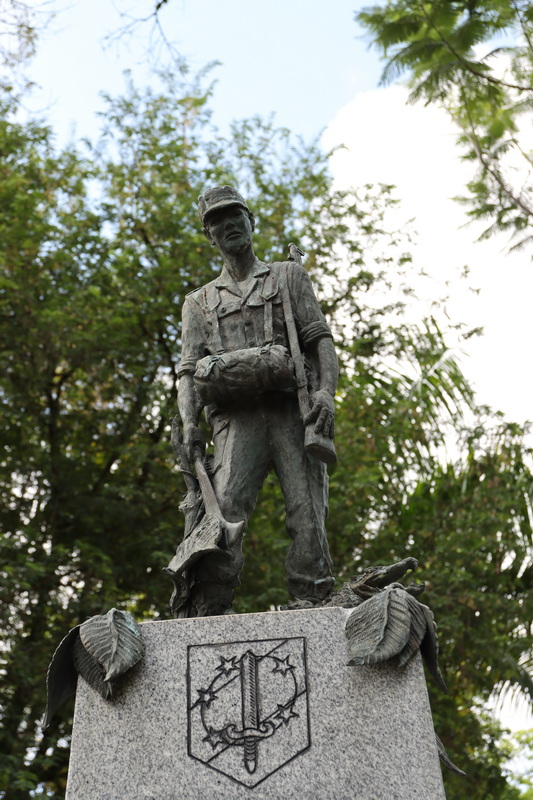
(307, 62)
(300, 60)
(417, 152)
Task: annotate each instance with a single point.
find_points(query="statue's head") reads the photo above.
(221, 202)
(218, 198)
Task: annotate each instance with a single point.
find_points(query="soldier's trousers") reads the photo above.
(249, 440)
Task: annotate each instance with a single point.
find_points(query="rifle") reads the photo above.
(316, 444)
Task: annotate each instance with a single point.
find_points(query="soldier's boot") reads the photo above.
(309, 593)
(210, 599)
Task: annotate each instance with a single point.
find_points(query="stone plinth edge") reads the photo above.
(257, 706)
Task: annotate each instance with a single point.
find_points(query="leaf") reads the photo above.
(114, 640)
(417, 632)
(429, 648)
(379, 628)
(62, 677)
(445, 758)
(91, 671)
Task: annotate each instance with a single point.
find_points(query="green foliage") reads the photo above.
(21, 24)
(97, 252)
(520, 747)
(474, 58)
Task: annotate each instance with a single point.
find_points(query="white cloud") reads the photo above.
(414, 148)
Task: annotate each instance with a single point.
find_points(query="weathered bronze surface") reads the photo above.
(102, 649)
(390, 624)
(259, 360)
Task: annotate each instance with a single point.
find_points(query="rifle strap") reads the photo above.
(294, 345)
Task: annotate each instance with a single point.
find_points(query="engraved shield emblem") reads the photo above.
(248, 709)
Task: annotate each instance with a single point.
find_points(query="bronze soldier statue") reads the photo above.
(239, 337)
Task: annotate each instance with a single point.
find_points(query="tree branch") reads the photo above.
(525, 31)
(494, 173)
(126, 433)
(464, 62)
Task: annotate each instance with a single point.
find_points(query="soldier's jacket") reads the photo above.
(220, 318)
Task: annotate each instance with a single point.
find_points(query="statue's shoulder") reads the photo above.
(200, 295)
(280, 268)
(194, 294)
(290, 271)
(291, 266)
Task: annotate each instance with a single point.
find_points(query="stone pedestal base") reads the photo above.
(256, 706)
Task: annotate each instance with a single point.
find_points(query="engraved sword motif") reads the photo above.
(250, 708)
(232, 710)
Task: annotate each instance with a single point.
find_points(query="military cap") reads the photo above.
(219, 197)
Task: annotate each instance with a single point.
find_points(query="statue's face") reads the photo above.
(229, 229)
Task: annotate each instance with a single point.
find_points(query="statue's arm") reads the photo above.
(193, 348)
(322, 353)
(317, 343)
(190, 410)
(328, 365)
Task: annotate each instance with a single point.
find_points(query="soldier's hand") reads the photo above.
(193, 442)
(322, 413)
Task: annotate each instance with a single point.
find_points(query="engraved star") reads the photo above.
(214, 738)
(227, 666)
(206, 697)
(285, 713)
(282, 665)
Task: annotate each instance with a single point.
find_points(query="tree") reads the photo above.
(456, 55)
(97, 252)
(20, 25)
(521, 745)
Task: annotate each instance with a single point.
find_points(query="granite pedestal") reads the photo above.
(256, 706)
